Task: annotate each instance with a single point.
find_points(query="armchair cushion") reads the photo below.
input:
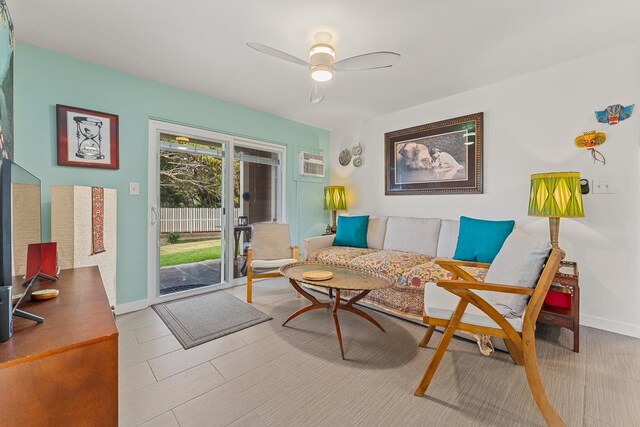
(481, 240)
(518, 263)
(440, 304)
(271, 240)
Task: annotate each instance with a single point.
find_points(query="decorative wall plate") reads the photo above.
(357, 161)
(356, 150)
(345, 157)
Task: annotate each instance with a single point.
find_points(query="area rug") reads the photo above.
(202, 318)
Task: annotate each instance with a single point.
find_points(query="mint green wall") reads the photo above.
(44, 79)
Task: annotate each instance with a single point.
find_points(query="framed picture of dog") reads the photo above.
(437, 158)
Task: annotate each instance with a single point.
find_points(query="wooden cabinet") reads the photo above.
(64, 371)
(562, 306)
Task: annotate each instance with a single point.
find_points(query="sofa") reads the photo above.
(404, 249)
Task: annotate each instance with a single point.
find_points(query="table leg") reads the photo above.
(335, 305)
(315, 304)
(334, 312)
(350, 308)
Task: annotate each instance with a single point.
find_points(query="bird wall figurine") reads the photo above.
(590, 140)
(614, 114)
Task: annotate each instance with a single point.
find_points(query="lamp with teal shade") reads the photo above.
(556, 195)
(334, 200)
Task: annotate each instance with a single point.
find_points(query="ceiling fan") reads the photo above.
(323, 65)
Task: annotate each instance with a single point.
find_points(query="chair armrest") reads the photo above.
(481, 286)
(447, 262)
(315, 243)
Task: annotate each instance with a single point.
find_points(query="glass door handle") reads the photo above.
(155, 215)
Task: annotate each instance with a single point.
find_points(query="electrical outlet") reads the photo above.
(134, 188)
(603, 186)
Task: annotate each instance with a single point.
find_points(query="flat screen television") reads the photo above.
(20, 225)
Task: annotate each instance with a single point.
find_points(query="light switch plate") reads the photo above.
(134, 188)
(603, 186)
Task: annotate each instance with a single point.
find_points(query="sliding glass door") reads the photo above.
(258, 194)
(189, 181)
(202, 202)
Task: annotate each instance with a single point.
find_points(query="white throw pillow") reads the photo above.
(518, 263)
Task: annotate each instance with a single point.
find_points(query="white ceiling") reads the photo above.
(447, 46)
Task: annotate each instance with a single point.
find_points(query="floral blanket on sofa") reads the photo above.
(410, 270)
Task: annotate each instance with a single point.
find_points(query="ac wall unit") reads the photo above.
(311, 164)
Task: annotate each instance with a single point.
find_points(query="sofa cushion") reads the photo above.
(417, 276)
(352, 231)
(391, 263)
(440, 304)
(341, 255)
(518, 263)
(480, 240)
(448, 238)
(419, 235)
(376, 231)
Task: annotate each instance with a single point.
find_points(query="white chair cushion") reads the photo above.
(419, 235)
(271, 263)
(271, 240)
(518, 263)
(440, 304)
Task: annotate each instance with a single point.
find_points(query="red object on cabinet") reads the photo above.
(558, 299)
(42, 258)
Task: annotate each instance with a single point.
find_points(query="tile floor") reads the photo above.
(270, 375)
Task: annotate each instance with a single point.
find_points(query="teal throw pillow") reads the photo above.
(480, 240)
(352, 231)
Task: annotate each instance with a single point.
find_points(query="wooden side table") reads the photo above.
(562, 306)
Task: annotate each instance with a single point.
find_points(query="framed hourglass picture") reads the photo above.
(87, 138)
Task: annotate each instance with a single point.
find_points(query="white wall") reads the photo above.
(530, 124)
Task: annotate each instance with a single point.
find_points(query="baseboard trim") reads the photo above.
(610, 325)
(128, 307)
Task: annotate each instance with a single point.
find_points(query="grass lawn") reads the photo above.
(183, 253)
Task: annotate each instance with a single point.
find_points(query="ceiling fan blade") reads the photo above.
(277, 53)
(367, 61)
(318, 90)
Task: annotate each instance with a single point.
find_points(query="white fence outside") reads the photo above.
(193, 220)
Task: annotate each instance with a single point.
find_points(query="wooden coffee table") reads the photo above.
(344, 278)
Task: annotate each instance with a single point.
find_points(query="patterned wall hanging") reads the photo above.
(97, 220)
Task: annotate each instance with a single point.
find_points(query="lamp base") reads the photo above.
(334, 216)
(554, 231)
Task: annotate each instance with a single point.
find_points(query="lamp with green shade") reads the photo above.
(556, 195)
(334, 200)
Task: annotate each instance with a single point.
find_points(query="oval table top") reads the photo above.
(348, 278)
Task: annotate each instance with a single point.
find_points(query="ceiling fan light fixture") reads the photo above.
(322, 48)
(321, 73)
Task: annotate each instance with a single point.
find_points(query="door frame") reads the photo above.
(153, 201)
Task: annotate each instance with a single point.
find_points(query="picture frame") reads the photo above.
(443, 157)
(87, 138)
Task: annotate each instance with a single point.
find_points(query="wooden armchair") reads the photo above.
(270, 249)
(474, 314)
